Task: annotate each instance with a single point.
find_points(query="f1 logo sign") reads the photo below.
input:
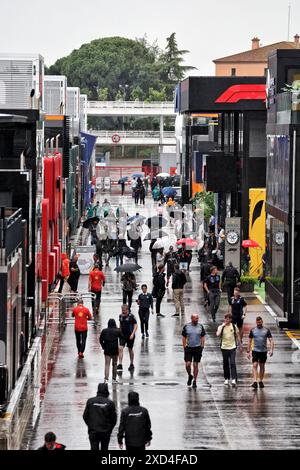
(237, 93)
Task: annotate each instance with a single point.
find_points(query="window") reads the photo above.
(233, 72)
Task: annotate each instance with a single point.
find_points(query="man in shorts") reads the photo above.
(258, 338)
(128, 326)
(193, 343)
(238, 307)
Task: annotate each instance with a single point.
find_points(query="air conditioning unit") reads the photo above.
(73, 102)
(55, 94)
(21, 81)
(73, 110)
(83, 113)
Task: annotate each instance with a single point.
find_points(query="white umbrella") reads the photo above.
(166, 243)
(163, 175)
(158, 244)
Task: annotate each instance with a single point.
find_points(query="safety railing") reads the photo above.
(135, 134)
(130, 104)
(20, 417)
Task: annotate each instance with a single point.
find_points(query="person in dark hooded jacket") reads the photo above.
(109, 340)
(50, 443)
(135, 425)
(100, 417)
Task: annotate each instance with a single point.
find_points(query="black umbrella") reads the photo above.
(91, 221)
(128, 268)
(156, 222)
(155, 234)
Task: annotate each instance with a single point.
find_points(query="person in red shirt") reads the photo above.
(65, 271)
(96, 282)
(82, 315)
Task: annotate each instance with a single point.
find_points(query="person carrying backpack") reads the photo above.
(230, 340)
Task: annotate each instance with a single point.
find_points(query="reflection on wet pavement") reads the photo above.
(211, 417)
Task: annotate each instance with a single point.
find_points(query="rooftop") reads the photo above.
(259, 53)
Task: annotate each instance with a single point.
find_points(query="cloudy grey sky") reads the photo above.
(208, 29)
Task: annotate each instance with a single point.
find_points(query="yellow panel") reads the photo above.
(257, 229)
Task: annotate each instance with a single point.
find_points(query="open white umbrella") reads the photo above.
(163, 175)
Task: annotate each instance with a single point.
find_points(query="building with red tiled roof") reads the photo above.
(252, 63)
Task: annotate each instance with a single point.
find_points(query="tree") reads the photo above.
(172, 68)
(103, 94)
(105, 66)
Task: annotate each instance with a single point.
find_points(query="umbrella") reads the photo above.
(136, 218)
(138, 175)
(155, 234)
(158, 244)
(156, 222)
(169, 191)
(163, 175)
(165, 243)
(128, 268)
(128, 252)
(250, 244)
(188, 241)
(88, 222)
(123, 179)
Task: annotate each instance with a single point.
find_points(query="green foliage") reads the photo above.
(103, 94)
(205, 200)
(246, 279)
(103, 67)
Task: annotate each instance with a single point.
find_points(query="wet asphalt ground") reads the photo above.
(211, 417)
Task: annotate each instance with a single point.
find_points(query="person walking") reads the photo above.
(82, 315)
(178, 283)
(212, 287)
(122, 186)
(93, 230)
(184, 257)
(229, 335)
(135, 425)
(193, 340)
(238, 307)
(74, 273)
(142, 194)
(50, 443)
(134, 235)
(212, 242)
(96, 283)
(120, 248)
(258, 339)
(128, 286)
(137, 191)
(159, 288)
(145, 302)
(147, 185)
(230, 279)
(109, 340)
(204, 273)
(128, 326)
(133, 186)
(97, 210)
(153, 252)
(64, 273)
(170, 260)
(262, 278)
(100, 417)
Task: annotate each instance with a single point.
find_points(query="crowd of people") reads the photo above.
(135, 425)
